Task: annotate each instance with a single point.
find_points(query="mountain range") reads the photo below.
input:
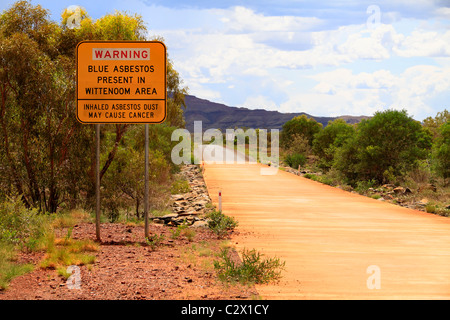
(220, 116)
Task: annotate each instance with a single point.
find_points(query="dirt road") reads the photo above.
(336, 245)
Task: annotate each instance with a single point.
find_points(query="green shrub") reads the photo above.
(309, 176)
(430, 208)
(385, 147)
(325, 180)
(294, 160)
(177, 232)
(220, 224)
(155, 241)
(363, 186)
(19, 224)
(252, 269)
(300, 125)
(320, 178)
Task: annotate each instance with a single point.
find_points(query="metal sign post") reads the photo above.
(146, 184)
(97, 183)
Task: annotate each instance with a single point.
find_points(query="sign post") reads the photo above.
(121, 82)
(146, 183)
(97, 182)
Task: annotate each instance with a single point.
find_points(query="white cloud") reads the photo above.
(238, 44)
(243, 20)
(341, 91)
(443, 12)
(424, 44)
(260, 102)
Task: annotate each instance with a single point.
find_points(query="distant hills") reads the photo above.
(220, 116)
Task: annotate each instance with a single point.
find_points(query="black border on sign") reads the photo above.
(124, 122)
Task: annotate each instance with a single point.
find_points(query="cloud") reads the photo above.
(424, 44)
(260, 102)
(342, 91)
(244, 20)
(303, 63)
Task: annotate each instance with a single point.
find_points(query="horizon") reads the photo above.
(323, 58)
(294, 112)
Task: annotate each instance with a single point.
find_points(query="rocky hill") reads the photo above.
(220, 116)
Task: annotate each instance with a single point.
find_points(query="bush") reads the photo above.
(441, 151)
(322, 179)
(388, 145)
(220, 224)
(363, 186)
(252, 269)
(19, 224)
(300, 125)
(294, 160)
(155, 241)
(328, 140)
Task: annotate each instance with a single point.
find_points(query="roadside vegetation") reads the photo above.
(389, 156)
(24, 231)
(253, 269)
(47, 157)
(220, 224)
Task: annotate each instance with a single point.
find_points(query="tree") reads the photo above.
(45, 151)
(300, 125)
(434, 124)
(37, 127)
(390, 142)
(441, 151)
(124, 183)
(328, 140)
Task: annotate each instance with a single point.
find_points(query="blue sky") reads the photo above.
(326, 58)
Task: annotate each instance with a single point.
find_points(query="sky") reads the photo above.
(325, 58)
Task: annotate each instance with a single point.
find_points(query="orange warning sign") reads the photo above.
(121, 82)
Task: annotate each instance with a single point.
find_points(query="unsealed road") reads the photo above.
(330, 238)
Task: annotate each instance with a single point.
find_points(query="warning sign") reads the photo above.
(121, 82)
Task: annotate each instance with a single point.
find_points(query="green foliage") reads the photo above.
(220, 224)
(65, 252)
(36, 121)
(441, 151)
(178, 230)
(180, 186)
(253, 269)
(434, 124)
(47, 156)
(19, 225)
(154, 241)
(183, 229)
(320, 178)
(294, 160)
(346, 160)
(124, 183)
(430, 208)
(328, 140)
(363, 186)
(390, 143)
(301, 125)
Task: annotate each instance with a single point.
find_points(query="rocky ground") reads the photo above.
(128, 268)
(189, 208)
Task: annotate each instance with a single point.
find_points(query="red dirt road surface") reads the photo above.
(336, 244)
